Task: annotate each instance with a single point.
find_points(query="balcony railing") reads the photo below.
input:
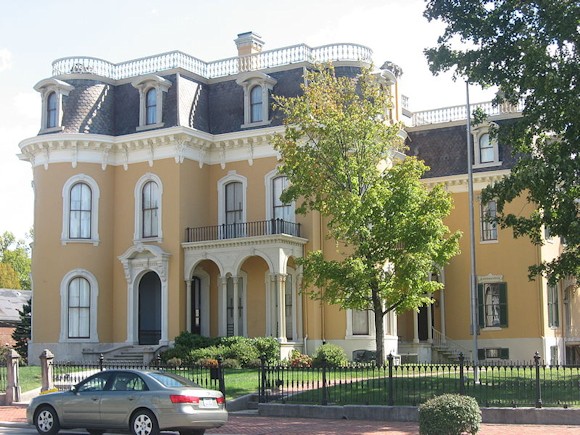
(457, 113)
(244, 229)
(218, 68)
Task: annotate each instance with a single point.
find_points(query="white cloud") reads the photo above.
(27, 104)
(5, 59)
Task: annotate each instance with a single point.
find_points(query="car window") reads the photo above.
(128, 382)
(94, 383)
(170, 380)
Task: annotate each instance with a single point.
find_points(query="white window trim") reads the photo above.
(143, 85)
(477, 133)
(78, 273)
(138, 234)
(248, 80)
(95, 194)
(46, 87)
(269, 177)
(231, 177)
(349, 333)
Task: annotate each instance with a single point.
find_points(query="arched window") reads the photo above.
(151, 106)
(280, 210)
(234, 208)
(256, 104)
(80, 210)
(79, 308)
(80, 215)
(150, 209)
(51, 110)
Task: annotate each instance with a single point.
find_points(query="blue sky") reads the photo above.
(33, 33)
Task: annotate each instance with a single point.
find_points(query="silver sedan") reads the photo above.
(141, 402)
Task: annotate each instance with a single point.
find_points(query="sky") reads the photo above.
(34, 33)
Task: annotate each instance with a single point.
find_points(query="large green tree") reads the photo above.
(16, 255)
(529, 49)
(342, 157)
(23, 331)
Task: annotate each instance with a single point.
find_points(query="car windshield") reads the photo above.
(171, 380)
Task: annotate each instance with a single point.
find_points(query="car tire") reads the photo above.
(46, 420)
(192, 432)
(143, 422)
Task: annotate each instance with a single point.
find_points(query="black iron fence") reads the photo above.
(513, 385)
(243, 229)
(66, 374)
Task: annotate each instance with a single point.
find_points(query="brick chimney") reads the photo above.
(248, 43)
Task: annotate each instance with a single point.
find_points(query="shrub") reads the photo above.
(254, 364)
(269, 347)
(331, 355)
(189, 341)
(208, 363)
(230, 363)
(449, 414)
(299, 360)
(174, 362)
(243, 351)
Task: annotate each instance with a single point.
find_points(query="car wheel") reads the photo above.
(144, 422)
(192, 432)
(46, 420)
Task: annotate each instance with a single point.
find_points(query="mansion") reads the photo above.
(157, 211)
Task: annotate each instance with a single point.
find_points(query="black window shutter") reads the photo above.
(503, 306)
(480, 304)
(504, 353)
(480, 354)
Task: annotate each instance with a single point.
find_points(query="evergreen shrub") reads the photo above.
(449, 414)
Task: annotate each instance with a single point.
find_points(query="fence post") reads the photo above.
(324, 386)
(461, 374)
(12, 380)
(538, 386)
(262, 380)
(221, 379)
(46, 368)
(390, 398)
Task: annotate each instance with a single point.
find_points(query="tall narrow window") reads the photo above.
(52, 110)
(488, 225)
(230, 327)
(79, 308)
(256, 104)
(196, 305)
(234, 209)
(360, 322)
(492, 300)
(553, 313)
(80, 211)
(151, 106)
(150, 209)
(288, 308)
(281, 210)
(486, 149)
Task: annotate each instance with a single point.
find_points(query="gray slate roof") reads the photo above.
(10, 302)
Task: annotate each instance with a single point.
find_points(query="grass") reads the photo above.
(30, 378)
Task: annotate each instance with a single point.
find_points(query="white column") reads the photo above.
(430, 322)
(415, 327)
(442, 314)
(299, 299)
(280, 287)
(223, 306)
(131, 310)
(188, 304)
(236, 305)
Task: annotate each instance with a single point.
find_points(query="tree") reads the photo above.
(22, 333)
(339, 154)
(16, 254)
(8, 277)
(530, 51)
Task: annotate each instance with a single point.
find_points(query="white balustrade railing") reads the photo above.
(457, 113)
(219, 68)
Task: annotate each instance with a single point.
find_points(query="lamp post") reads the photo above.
(472, 275)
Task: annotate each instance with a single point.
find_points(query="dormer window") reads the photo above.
(52, 92)
(151, 89)
(257, 87)
(151, 106)
(486, 149)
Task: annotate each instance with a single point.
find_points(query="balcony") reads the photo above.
(458, 113)
(239, 230)
(219, 68)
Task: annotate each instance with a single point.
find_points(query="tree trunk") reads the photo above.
(379, 328)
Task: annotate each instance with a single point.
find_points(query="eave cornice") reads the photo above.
(458, 183)
(178, 142)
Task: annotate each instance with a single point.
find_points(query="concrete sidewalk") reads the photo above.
(252, 424)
